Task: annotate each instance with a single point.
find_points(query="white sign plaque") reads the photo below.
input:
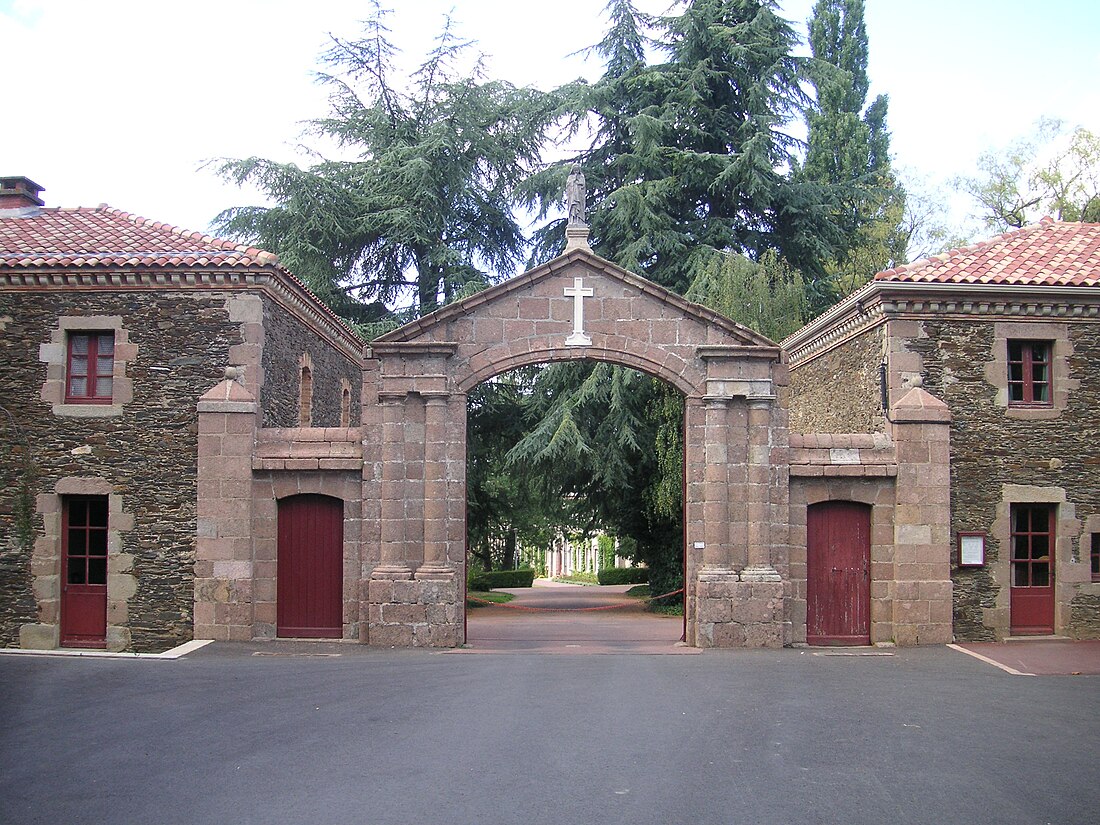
(972, 550)
(578, 292)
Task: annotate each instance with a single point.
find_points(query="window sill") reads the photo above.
(1032, 413)
(87, 410)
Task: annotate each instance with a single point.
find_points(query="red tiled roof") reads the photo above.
(74, 238)
(103, 236)
(1048, 253)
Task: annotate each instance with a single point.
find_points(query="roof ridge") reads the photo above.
(261, 255)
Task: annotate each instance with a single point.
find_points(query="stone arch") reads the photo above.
(499, 363)
(579, 306)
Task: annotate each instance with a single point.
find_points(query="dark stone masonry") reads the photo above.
(148, 454)
(990, 449)
(288, 340)
(838, 392)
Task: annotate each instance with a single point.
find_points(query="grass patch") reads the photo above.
(641, 591)
(487, 596)
(667, 609)
(578, 578)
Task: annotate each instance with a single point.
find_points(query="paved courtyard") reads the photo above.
(335, 733)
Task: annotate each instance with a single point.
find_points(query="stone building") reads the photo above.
(194, 446)
(111, 328)
(1006, 334)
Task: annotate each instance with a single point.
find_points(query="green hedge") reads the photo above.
(487, 580)
(624, 575)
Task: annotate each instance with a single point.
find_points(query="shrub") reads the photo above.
(488, 579)
(624, 575)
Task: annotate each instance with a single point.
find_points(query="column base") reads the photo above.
(433, 571)
(732, 612)
(760, 573)
(420, 611)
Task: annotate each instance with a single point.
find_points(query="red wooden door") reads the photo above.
(84, 572)
(1031, 595)
(838, 580)
(309, 592)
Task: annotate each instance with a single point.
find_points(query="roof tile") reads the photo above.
(104, 236)
(1049, 253)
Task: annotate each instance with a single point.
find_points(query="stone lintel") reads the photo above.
(442, 348)
(713, 352)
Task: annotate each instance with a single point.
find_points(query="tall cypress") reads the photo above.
(848, 146)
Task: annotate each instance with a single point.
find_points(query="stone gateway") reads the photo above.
(316, 487)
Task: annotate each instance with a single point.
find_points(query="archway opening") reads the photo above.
(575, 507)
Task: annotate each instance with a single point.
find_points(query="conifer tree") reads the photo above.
(425, 206)
(848, 148)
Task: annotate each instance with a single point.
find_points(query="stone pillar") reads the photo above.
(394, 564)
(758, 494)
(438, 589)
(716, 492)
(223, 546)
(435, 488)
(921, 425)
(406, 609)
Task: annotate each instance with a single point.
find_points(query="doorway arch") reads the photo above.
(580, 306)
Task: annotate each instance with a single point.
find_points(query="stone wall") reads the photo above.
(286, 340)
(146, 454)
(838, 392)
(994, 451)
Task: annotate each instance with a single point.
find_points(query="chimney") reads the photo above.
(19, 193)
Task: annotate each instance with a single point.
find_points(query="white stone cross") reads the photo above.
(578, 292)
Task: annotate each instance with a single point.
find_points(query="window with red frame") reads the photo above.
(1096, 557)
(91, 364)
(1029, 373)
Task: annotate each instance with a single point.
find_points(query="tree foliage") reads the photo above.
(768, 296)
(1050, 172)
(848, 148)
(424, 205)
(692, 155)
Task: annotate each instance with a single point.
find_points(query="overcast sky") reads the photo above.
(121, 102)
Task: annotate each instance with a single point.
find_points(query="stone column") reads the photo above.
(437, 584)
(921, 426)
(716, 492)
(758, 495)
(436, 563)
(394, 551)
(223, 545)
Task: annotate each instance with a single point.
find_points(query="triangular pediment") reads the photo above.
(649, 300)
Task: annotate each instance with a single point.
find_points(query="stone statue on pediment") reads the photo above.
(575, 197)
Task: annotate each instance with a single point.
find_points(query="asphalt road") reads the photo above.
(362, 736)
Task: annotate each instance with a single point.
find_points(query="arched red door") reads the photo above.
(838, 580)
(309, 593)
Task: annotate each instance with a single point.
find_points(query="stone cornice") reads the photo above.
(880, 301)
